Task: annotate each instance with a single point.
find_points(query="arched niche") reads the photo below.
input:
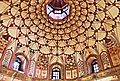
(105, 59)
(56, 67)
(7, 57)
(92, 64)
(19, 62)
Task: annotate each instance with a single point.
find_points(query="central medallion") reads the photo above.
(57, 10)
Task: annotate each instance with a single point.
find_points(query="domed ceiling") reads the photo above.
(58, 29)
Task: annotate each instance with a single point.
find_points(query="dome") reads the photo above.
(60, 32)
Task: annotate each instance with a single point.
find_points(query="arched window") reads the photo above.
(95, 67)
(56, 74)
(17, 64)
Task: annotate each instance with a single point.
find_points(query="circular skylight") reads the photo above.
(58, 14)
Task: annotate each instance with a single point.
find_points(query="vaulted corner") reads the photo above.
(59, 40)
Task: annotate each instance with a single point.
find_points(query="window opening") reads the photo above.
(95, 67)
(17, 64)
(56, 74)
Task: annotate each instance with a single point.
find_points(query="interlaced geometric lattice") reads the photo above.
(6, 60)
(105, 60)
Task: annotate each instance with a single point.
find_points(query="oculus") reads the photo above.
(57, 10)
(58, 14)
